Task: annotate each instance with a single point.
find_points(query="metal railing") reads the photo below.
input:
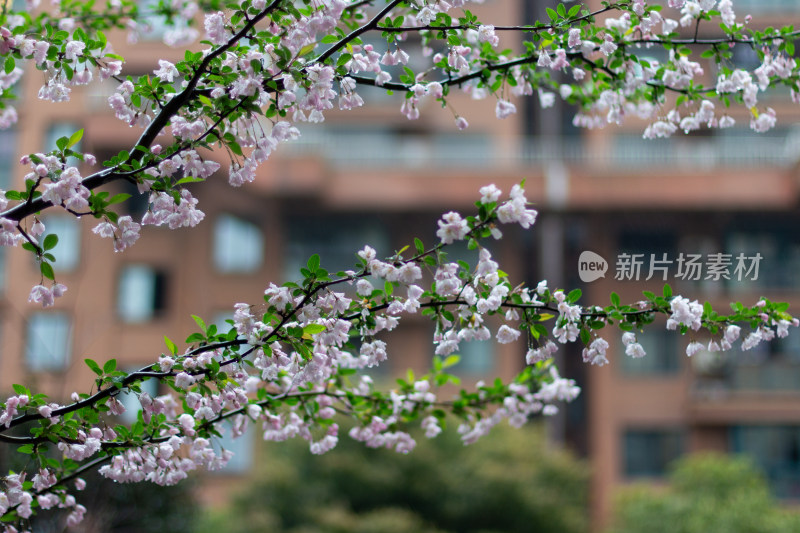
(384, 149)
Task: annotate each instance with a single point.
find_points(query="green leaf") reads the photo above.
(552, 14)
(200, 323)
(61, 143)
(189, 179)
(667, 291)
(75, 138)
(307, 49)
(50, 241)
(195, 337)
(171, 346)
(313, 329)
(419, 245)
(9, 64)
(47, 270)
(118, 198)
(235, 148)
(26, 449)
(110, 366)
(93, 366)
(562, 10)
(574, 11)
(451, 360)
(344, 58)
(574, 295)
(615, 299)
(313, 263)
(21, 389)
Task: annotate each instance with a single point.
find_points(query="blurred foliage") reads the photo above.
(707, 493)
(508, 481)
(136, 507)
(119, 507)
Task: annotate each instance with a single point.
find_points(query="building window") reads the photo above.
(337, 239)
(58, 130)
(135, 206)
(242, 448)
(131, 401)
(770, 366)
(646, 249)
(153, 27)
(648, 453)
(3, 259)
(238, 245)
(663, 354)
(773, 7)
(141, 293)
(8, 147)
(776, 449)
(777, 253)
(48, 342)
(68, 250)
(476, 358)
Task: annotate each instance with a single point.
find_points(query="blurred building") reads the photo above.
(371, 176)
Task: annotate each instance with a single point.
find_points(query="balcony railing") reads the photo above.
(475, 150)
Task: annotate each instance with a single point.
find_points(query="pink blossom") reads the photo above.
(574, 38)
(506, 335)
(596, 352)
(486, 34)
(184, 380)
(128, 233)
(104, 229)
(693, 348)
(515, 210)
(541, 354)
(431, 426)
(214, 24)
(685, 313)
(560, 62)
(109, 69)
(489, 194)
(166, 71)
(504, 108)
(452, 228)
(43, 295)
(764, 122)
(609, 46)
(73, 49)
(732, 333)
(546, 99)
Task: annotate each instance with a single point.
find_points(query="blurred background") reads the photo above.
(606, 462)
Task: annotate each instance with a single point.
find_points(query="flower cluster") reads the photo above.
(292, 362)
